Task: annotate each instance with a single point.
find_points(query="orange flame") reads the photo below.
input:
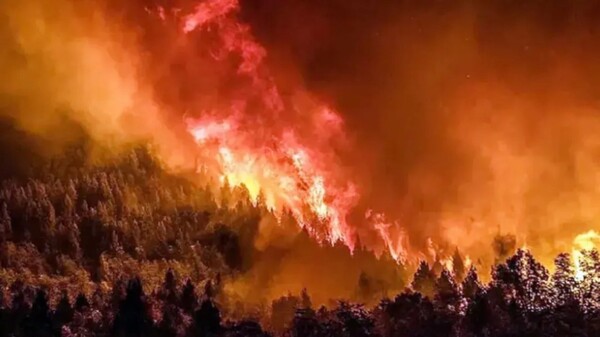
(582, 242)
(290, 168)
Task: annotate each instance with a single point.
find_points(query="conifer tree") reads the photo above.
(424, 280)
(563, 280)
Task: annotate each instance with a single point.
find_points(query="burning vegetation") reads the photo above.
(227, 167)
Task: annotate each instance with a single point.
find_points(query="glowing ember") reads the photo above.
(468, 262)
(395, 245)
(284, 173)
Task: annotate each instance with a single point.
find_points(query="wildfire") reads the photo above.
(280, 149)
(288, 166)
(270, 160)
(583, 242)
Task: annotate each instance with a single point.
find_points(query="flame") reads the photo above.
(395, 244)
(292, 169)
(468, 262)
(583, 242)
(277, 165)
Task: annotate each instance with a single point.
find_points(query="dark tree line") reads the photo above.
(522, 299)
(126, 249)
(77, 217)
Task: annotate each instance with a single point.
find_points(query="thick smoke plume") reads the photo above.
(72, 68)
(443, 124)
(470, 118)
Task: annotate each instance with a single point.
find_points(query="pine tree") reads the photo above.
(132, 318)
(424, 280)
(167, 327)
(471, 285)
(5, 224)
(81, 303)
(226, 194)
(524, 280)
(563, 280)
(365, 288)
(458, 266)
(305, 302)
(447, 295)
(589, 286)
(306, 324)
(282, 312)
(189, 299)
(68, 208)
(169, 288)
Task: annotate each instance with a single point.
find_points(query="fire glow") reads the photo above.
(281, 164)
(583, 242)
(281, 168)
(290, 170)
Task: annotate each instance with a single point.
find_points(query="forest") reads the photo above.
(299, 168)
(125, 248)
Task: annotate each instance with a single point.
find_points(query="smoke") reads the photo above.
(468, 119)
(457, 121)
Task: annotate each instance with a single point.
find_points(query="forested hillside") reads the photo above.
(124, 248)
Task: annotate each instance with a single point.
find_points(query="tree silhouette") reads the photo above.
(424, 280)
(447, 295)
(39, 323)
(168, 291)
(206, 321)
(563, 281)
(589, 286)
(63, 313)
(458, 266)
(305, 302)
(168, 325)
(246, 328)
(355, 320)
(189, 299)
(283, 311)
(526, 278)
(81, 303)
(133, 318)
(471, 285)
(306, 324)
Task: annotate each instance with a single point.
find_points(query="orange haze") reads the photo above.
(406, 128)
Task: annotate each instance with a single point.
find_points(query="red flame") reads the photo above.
(290, 166)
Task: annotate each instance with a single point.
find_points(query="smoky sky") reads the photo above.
(464, 118)
(457, 107)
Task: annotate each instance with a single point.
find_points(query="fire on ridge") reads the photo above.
(283, 164)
